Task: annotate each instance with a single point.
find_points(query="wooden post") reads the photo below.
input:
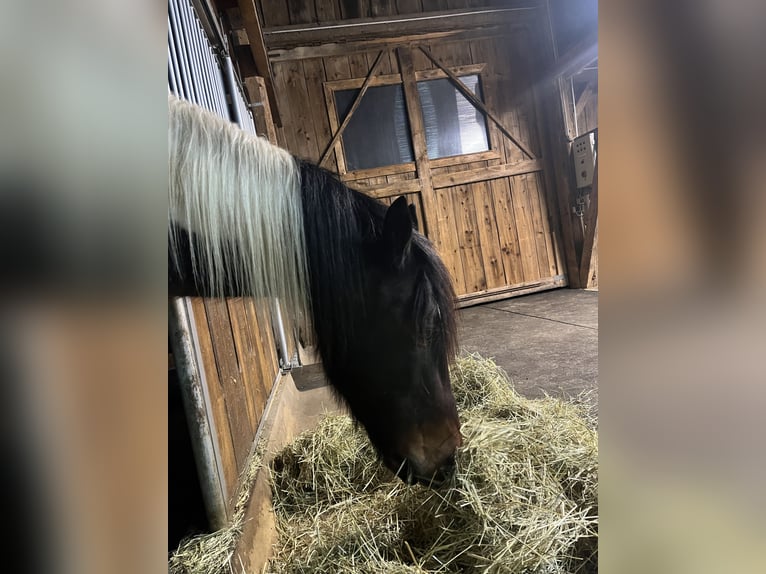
(418, 131)
(259, 103)
(591, 225)
(258, 50)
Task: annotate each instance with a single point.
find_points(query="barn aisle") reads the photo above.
(546, 342)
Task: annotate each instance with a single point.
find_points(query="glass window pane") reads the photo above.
(379, 131)
(453, 125)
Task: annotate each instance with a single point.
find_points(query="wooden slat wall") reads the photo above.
(240, 366)
(493, 233)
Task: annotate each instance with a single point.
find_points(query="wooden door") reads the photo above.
(487, 211)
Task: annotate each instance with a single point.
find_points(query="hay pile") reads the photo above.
(211, 553)
(524, 498)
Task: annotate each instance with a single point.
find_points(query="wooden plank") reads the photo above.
(258, 314)
(591, 223)
(314, 73)
(224, 444)
(388, 189)
(264, 352)
(386, 170)
(248, 368)
(336, 68)
(524, 229)
(523, 288)
(537, 224)
(486, 173)
(465, 158)
(291, 83)
(382, 8)
(301, 11)
(354, 106)
(469, 95)
(459, 70)
(275, 13)
(229, 374)
(256, 88)
(327, 10)
(545, 223)
(254, 30)
(468, 241)
(418, 133)
(448, 245)
(507, 234)
(353, 81)
(374, 44)
(353, 29)
(486, 225)
(409, 6)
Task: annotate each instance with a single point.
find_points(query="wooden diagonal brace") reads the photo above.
(354, 106)
(469, 95)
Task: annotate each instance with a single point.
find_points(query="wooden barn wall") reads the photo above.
(494, 234)
(235, 338)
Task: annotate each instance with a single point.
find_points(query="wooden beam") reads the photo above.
(591, 225)
(418, 133)
(364, 28)
(469, 95)
(486, 173)
(390, 189)
(252, 24)
(354, 106)
(259, 103)
(332, 49)
(499, 293)
(576, 58)
(584, 98)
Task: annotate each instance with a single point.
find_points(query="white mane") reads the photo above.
(241, 196)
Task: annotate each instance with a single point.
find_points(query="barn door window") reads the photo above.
(453, 125)
(378, 134)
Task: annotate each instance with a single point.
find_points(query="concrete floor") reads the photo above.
(546, 342)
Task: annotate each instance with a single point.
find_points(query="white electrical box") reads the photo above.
(584, 150)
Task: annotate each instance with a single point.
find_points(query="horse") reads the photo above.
(246, 218)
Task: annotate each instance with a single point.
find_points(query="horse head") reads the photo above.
(395, 376)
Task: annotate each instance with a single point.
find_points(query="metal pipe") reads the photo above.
(173, 63)
(219, 86)
(232, 85)
(199, 41)
(191, 95)
(186, 18)
(174, 49)
(171, 74)
(198, 37)
(207, 78)
(285, 361)
(197, 406)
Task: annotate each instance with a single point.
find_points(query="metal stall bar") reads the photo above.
(183, 10)
(197, 405)
(175, 63)
(185, 68)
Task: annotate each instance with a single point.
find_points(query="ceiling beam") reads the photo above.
(286, 37)
(254, 31)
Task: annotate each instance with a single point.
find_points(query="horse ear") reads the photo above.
(414, 217)
(397, 230)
